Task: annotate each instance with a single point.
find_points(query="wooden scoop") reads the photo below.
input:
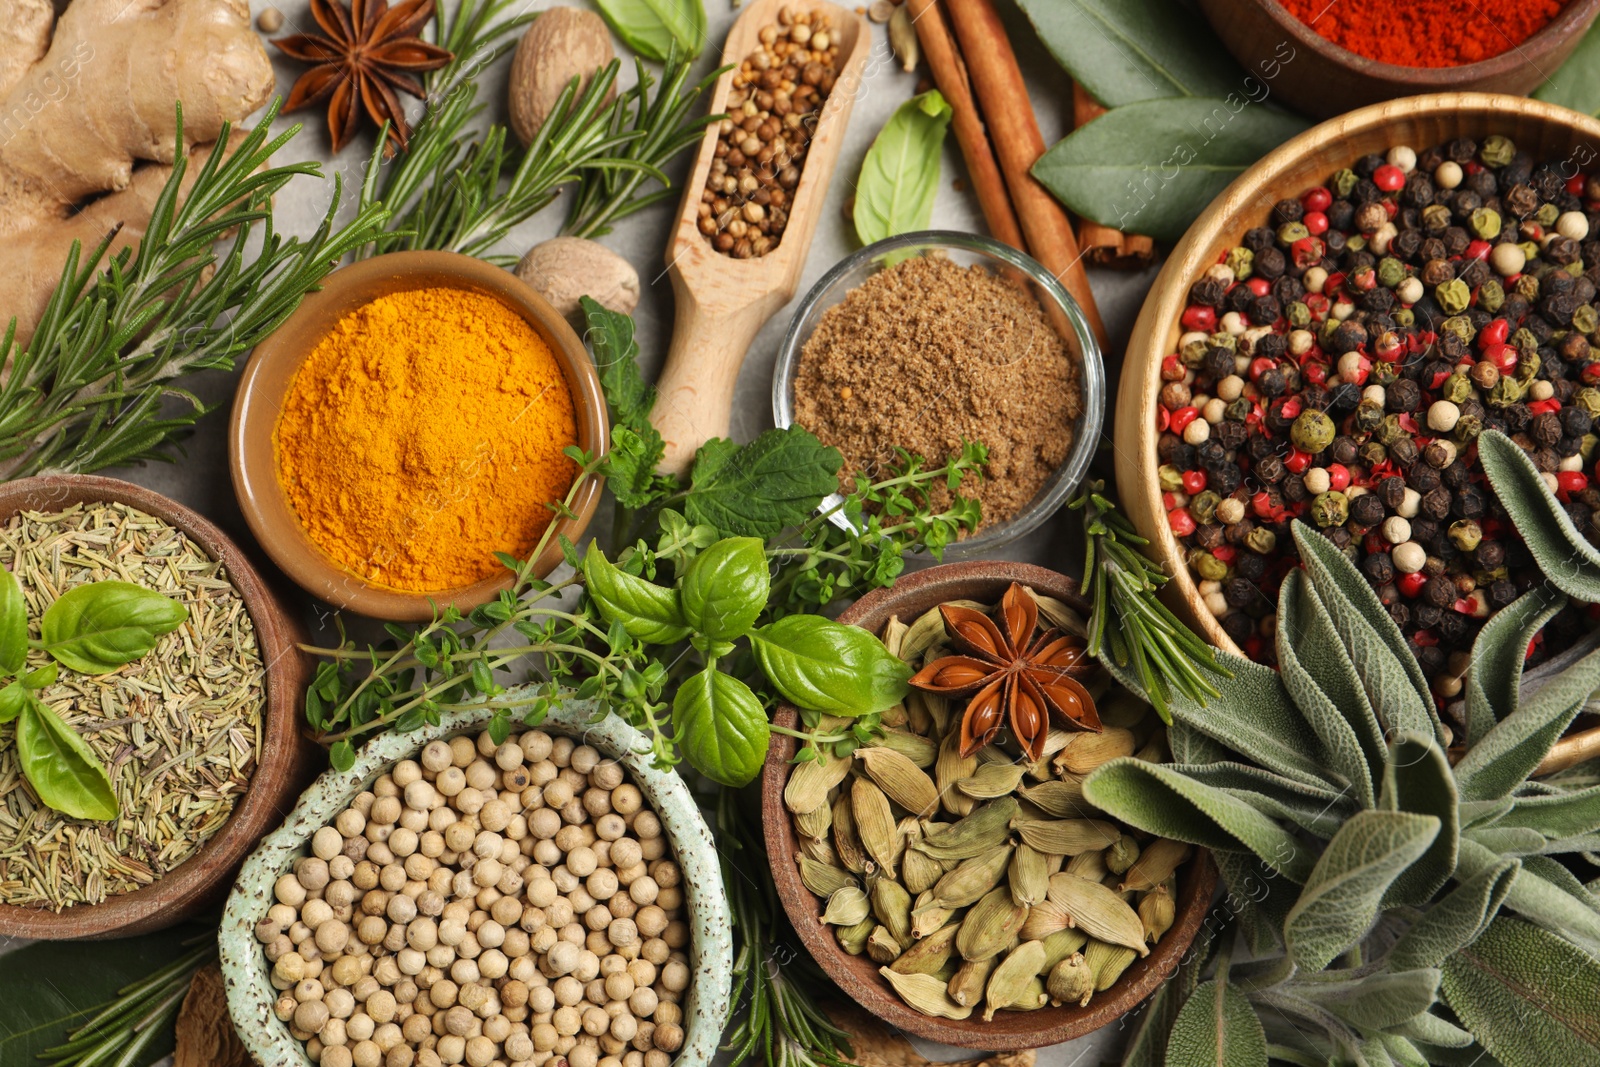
(723, 302)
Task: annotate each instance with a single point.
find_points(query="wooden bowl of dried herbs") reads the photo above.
(153, 713)
(948, 875)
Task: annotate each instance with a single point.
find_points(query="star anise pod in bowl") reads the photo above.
(1012, 674)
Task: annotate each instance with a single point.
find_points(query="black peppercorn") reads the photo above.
(1251, 566)
(1348, 336)
(1270, 263)
(1379, 568)
(1238, 627)
(1436, 504)
(1491, 555)
(1210, 454)
(1208, 535)
(1239, 592)
(1230, 434)
(1238, 298)
(1217, 362)
(1271, 383)
(1440, 592)
(1470, 503)
(1426, 615)
(1226, 478)
(1264, 310)
(1366, 510)
(1502, 593)
(1338, 535)
(1421, 477)
(1258, 238)
(1403, 451)
(1455, 476)
(1294, 488)
(1175, 451)
(1400, 613)
(1452, 628)
(1546, 428)
(1403, 395)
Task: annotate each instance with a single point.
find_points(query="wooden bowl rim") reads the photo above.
(1572, 19)
(165, 899)
(258, 401)
(1008, 1031)
(1157, 327)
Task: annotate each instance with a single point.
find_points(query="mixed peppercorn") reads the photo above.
(1338, 365)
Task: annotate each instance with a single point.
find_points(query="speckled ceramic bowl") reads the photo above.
(250, 993)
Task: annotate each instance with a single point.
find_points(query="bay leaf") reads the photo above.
(1341, 899)
(1217, 1028)
(1527, 995)
(900, 174)
(1455, 920)
(1576, 83)
(1151, 167)
(1498, 654)
(1565, 556)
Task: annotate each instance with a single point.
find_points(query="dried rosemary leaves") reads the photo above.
(985, 882)
(178, 730)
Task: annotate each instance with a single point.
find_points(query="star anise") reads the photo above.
(1011, 675)
(364, 55)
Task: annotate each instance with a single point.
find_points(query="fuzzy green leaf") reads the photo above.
(1319, 809)
(1527, 995)
(1217, 1028)
(900, 174)
(1457, 919)
(1401, 1052)
(775, 481)
(1417, 778)
(1537, 899)
(1151, 167)
(1378, 1001)
(1342, 898)
(1508, 840)
(1258, 898)
(1164, 802)
(1557, 816)
(1147, 1047)
(1320, 656)
(1565, 556)
(1498, 654)
(1355, 754)
(1431, 1030)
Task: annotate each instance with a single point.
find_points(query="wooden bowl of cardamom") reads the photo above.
(939, 964)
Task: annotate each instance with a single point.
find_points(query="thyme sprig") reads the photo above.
(89, 389)
(1128, 620)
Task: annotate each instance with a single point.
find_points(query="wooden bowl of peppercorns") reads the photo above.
(1431, 531)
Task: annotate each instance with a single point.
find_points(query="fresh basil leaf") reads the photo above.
(43, 677)
(61, 767)
(1217, 1026)
(656, 29)
(96, 628)
(1122, 51)
(13, 698)
(900, 174)
(1576, 83)
(721, 727)
(726, 587)
(13, 624)
(820, 665)
(775, 481)
(1151, 167)
(649, 612)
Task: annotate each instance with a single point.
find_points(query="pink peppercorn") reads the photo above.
(1575, 185)
(1503, 356)
(1316, 222)
(1571, 482)
(1411, 584)
(1172, 369)
(1181, 521)
(1495, 333)
(1259, 366)
(1298, 462)
(1183, 417)
(1194, 482)
(1389, 178)
(1259, 286)
(1316, 198)
(1199, 317)
(1338, 477)
(1479, 250)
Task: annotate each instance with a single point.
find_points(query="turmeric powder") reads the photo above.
(423, 435)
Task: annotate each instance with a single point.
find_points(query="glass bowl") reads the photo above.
(966, 250)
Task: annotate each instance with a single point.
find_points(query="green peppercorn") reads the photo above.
(1459, 325)
(1313, 431)
(1575, 268)
(1456, 388)
(1369, 413)
(1435, 217)
(1194, 353)
(1497, 151)
(1356, 242)
(1467, 428)
(1486, 223)
(1491, 296)
(1486, 578)
(1528, 288)
(1388, 431)
(1372, 453)
(1507, 391)
(1170, 478)
(1299, 315)
(1207, 566)
(1586, 446)
(1238, 409)
(1330, 509)
(1528, 366)
(1224, 339)
(1403, 317)
(1453, 296)
(1391, 272)
(1241, 261)
(1530, 254)
(1261, 541)
(1589, 400)
(1344, 182)
(1290, 232)
(1203, 506)
(1547, 215)
(1524, 341)
(1466, 534)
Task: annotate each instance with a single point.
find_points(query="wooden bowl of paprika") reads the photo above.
(1430, 46)
(1546, 131)
(403, 433)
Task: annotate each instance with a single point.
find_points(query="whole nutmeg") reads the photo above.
(562, 44)
(563, 269)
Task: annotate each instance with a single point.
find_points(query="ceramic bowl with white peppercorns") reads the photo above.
(451, 900)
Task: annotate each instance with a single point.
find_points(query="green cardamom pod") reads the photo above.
(919, 870)
(1061, 945)
(1122, 854)
(928, 918)
(1098, 911)
(1059, 615)
(986, 828)
(882, 946)
(1157, 911)
(1090, 865)
(853, 939)
(810, 783)
(894, 636)
(846, 907)
(1029, 875)
(901, 780)
(1071, 981)
(819, 849)
(918, 749)
(822, 879)
(846, 843)
(875, 823)
(1067, 837)
(816, 822)
(950, 767)
(921, 635)
(1013, 978)
(1061, 799)
(1159, 859)
(1045, 918)
(1107, 962)
(892, 905)
(973, 878)
(966, 987)
(926, 994)
(929, 955)
(991, 927)
(993, 780)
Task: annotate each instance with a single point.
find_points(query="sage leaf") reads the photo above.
(1123, 51)
(1508, 840)
(1519, 742)
(1151, 167)
(1528, 996)
(775, 481)
(12, 699)
(726, 588)
(1417, 779)
(60, 766)
(1498, 655)
(1319, 809)
(1379, 1001)
(658, 29)
(1321, 660)
(1217, 1028)
(721, 727)
(1147, 1047)
(1258, 897)
(1576, 83)
(96, 628)
(1559, 815)
(1429, 1029)
(1347, 751)
(649, 612)
(13, 624)
(900, 174)
(820, 665)
(1341, 899)
(1161, 801)
(1565, 556)
(1538, 900)
(1557, 875)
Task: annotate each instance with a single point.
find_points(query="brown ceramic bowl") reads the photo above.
(286, 758)
(1547, 131)
(272, 368)
(1323, 79)
(858, 976)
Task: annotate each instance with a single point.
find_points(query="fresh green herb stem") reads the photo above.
(143, 1013)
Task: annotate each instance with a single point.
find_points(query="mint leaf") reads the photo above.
(775, 481)
(630, 467)
(610, 336)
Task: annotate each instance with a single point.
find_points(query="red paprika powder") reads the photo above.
(1426, 33)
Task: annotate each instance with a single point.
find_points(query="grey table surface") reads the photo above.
(199, 477)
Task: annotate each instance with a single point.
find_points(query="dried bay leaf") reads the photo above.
(205, 1033)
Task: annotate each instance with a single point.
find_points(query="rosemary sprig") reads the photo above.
(88, 390)
(1121, 584)
(144, 1012)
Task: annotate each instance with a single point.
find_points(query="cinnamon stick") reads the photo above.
(1003, 95)
(950, 75)
(1102, 245)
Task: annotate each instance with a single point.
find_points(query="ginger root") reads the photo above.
(88, 122)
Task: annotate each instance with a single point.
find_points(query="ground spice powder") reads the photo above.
(1426, 33)
(423, 435)
(927, 353)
